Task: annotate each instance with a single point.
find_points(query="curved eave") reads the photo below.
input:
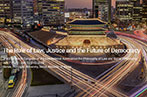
(96, 25)
(87, 19)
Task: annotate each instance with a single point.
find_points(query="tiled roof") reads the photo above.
(86, 22)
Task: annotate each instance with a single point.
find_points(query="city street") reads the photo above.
(73, 48)
(103, 86)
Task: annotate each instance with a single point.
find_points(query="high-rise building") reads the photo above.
(124, 10)
(6, 12)
(51, 12)
(136, 11)
(23, 11)
(100, 9)
(129, 10)
(144, 10)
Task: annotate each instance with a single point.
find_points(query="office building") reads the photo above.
(6, 12)
(100, 9)
(23, 11)
(130, 10)
(144, 10)
(124, 10)
(51, 12)
(136, 11)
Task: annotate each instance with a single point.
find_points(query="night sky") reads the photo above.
(80, 3)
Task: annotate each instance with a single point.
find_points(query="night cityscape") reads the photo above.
(73, 48)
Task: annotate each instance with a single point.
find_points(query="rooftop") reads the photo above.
(86, 22)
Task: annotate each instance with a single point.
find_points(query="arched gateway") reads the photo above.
(87, 34)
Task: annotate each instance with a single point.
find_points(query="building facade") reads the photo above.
(124, 10)
(6, 12)
(23, 11)
(51, 12)
(100, 9)
(129, 10)
(137, 10)
(144, 10)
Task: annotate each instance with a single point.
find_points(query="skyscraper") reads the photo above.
(129, 10)
(51, 12)
(136, 11)
(23, 11)
(101, 9)
(124, 10)
(144, 10)
(6, 12)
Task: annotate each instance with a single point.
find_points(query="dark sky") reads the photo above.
(80, 3)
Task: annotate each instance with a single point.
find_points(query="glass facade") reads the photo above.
(137, 9)
(6, 14)
(124, 10)
(129, 10)
(23, 11)
(100, 9)
(144, 10)
(51, 12)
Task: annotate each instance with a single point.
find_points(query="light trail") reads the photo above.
(22, 84)
(63, 76)
(108, 75)
(101, 87)
(139, 92)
